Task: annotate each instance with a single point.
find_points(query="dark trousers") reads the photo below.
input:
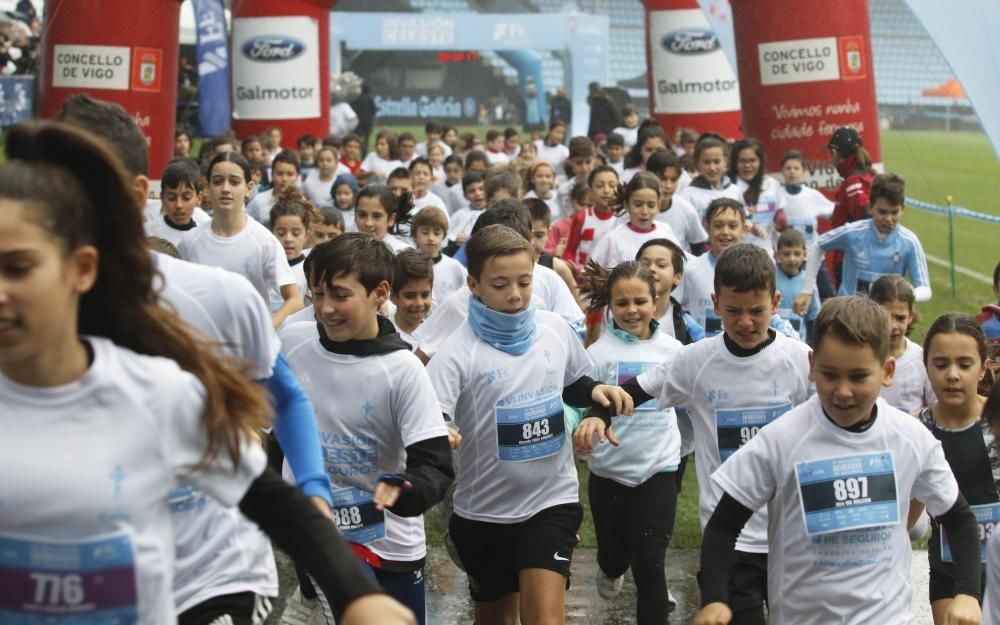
(633, 527)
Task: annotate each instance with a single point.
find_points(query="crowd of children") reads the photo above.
(458, 321)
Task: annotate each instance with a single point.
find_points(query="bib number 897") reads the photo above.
(55, 589)
(850, 488)
(537, 429)
(347, 516)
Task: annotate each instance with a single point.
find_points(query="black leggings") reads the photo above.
(633, 526)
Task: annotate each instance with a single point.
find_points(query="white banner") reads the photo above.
(92, 67)
(691, 72)
(799, 60)
(276, 68)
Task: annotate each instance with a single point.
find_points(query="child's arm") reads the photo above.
(293, 304)
(575, 233)
(718, 547)
(919, 275)
(963, 535)
(427, 477)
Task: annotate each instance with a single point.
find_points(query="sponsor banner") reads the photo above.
(406, 106)
(690, 71)
(276, 68)
(91, 67)
(800, 81)
(214, 106)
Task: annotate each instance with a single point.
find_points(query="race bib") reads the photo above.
(848, 493)
(629, 370)
(764, 212)
(796, 321)
(713, 324)
(68, 582)
(987, 517)
(357, 518)
(865, 281)
(530, 432)
(806, 226)
(735, 427)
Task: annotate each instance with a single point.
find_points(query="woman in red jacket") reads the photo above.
(854, 164)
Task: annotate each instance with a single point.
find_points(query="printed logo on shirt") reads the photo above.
(186, 498)
(848, 493)
(629, 370)
(530, 432)
(349, 456)
(356, 516)
(499, 376)
(88, 581)
(735, 427)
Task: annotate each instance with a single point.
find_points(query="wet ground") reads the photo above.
(448, 600)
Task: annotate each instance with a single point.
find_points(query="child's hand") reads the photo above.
(714, 614)
(387, 492)
(460, 239)
(583, 435)
(454, 438)
(964, 610)
(801, 304)
(758, 232)
(606, 395)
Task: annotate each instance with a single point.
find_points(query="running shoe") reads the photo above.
(608, 587)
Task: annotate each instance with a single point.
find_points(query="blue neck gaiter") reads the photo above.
(793, 189)
(625, 337)
(508, 333)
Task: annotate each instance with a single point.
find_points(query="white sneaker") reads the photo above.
(301, 611)
(607, 587)
(671, 601)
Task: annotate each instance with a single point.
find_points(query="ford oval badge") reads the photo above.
(272, 48)
(690, 41)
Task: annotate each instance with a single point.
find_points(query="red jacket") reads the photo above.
(852, 195)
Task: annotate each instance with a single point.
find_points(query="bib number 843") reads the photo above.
(536, 429)
(349, 516)
(850, 488)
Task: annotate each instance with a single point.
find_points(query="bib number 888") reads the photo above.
(850, 488)
(349, 517)
(536, 429)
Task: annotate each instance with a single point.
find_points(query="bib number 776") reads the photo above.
(55, 589)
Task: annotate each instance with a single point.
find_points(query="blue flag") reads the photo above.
(214, 105)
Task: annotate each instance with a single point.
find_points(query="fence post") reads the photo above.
(951, 241)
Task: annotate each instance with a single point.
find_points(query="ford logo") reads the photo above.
(690, 41)
(268, 48)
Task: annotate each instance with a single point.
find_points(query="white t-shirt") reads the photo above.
(497, 158)
(403, 334)
(254, 253)
(696, 298)
(369, 409)
(462, 221)
(631, 135)
(100, 513)
(224, 307)
(159, 227)
(455, 199)
(429, 199)
(650, 440)
(298, 270)
(556, 296)
(260, 207)
(563, 199)
(553, 154)
(623, 242)
(515, 459)
(379, 166)
(306, 314)
(553, 202)
(422, 148)
(445, 319)
(700, 197)
(991, 600)
(684, 219)
(449, 276)
(828, 564)
(396, 244)
(730, 399)
(770, 200)
(804, 208)
(911, 390)
(319, 192)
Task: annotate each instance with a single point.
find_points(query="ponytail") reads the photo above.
(82, 195)
(864, 161)
(292, 202)
(598, 282)
(400, 207)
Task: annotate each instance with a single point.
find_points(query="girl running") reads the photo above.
(590, 225)
(541, 180)
(291, 219)
(345, 193)
(911, 390)
(761, 194)
(633, 493)
(379, 211)
(382, 160)
(956, 356)
(84, 348)
(710, 158)
(639, 209)
(650, 140)
(318, 181)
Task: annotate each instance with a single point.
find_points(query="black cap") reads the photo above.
(845, 141)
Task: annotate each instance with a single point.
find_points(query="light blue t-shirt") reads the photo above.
(790, 287)
(869, 255)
